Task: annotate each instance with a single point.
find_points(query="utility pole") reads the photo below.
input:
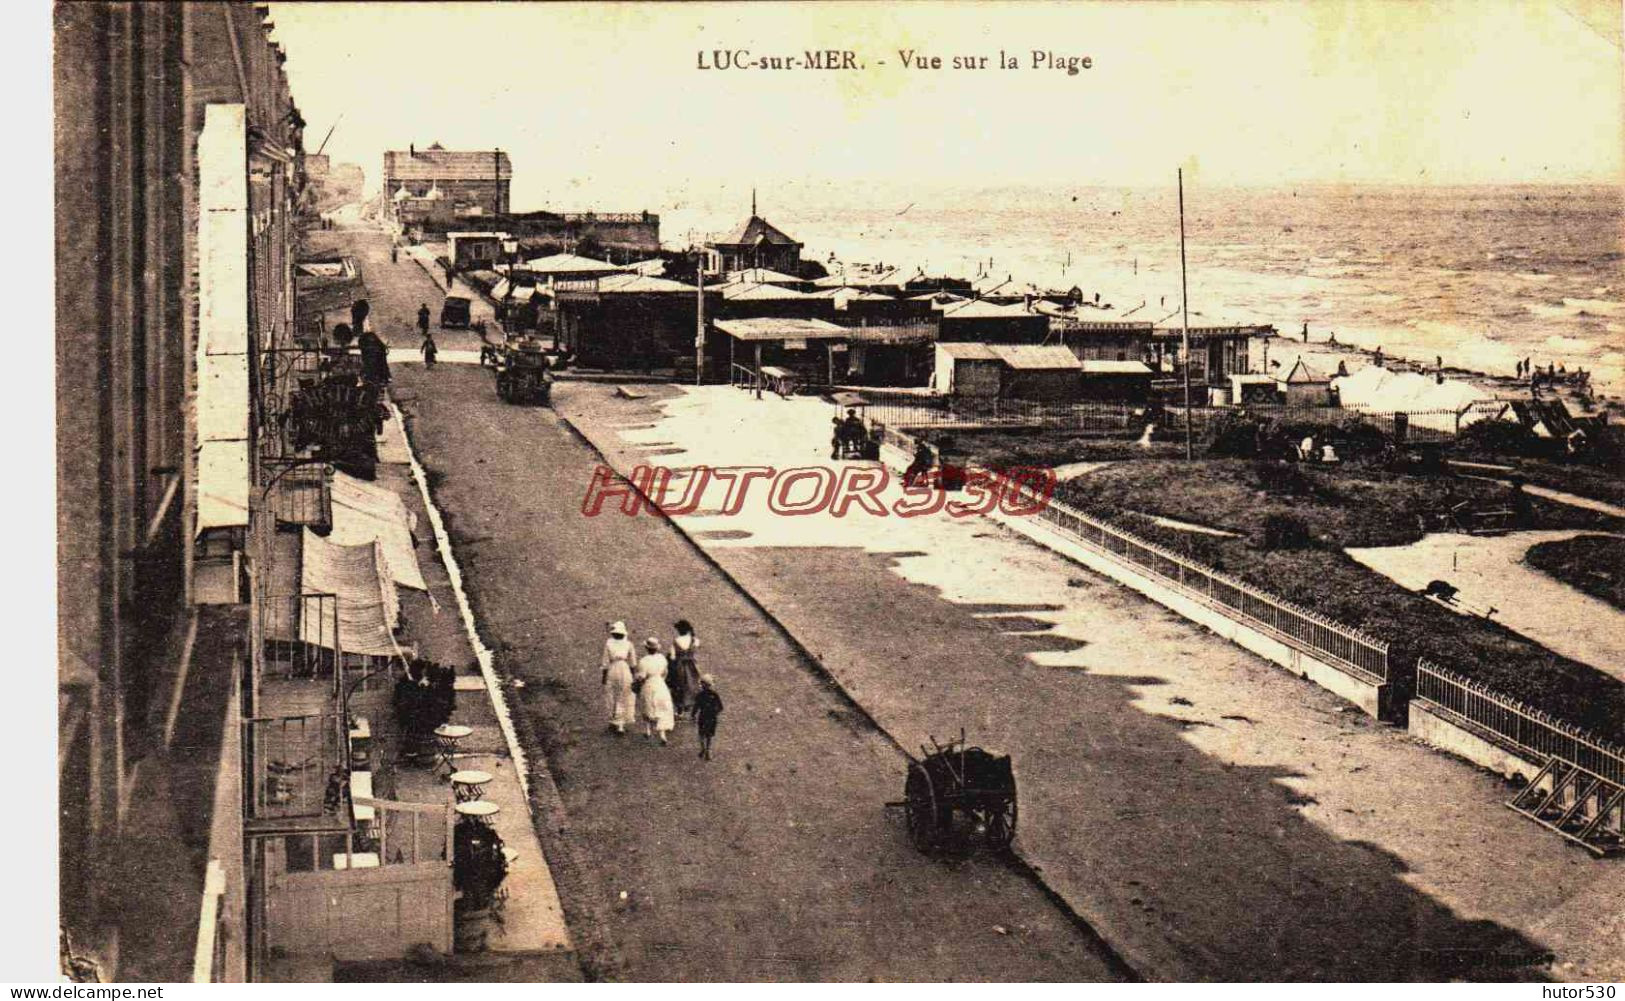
(1185, 315)
(699, 317)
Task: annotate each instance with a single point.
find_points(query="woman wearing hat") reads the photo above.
(616, 665)
(684, 677)
(654, 698)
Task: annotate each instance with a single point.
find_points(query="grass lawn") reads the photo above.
(1591, 563)
(1354, 505)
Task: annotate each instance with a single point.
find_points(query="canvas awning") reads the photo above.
(222, 397)
(368, 607)
(366, 512)
(222, 479)
(779, 328)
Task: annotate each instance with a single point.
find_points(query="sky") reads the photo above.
(605, 106)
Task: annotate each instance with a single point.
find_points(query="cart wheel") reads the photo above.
(1001, 824)
(922, 807)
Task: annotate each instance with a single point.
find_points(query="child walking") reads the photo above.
(707, 707)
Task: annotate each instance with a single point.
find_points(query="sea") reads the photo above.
(1482, 277)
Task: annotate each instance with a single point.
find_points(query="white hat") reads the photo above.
(617, 629)
(652, 643)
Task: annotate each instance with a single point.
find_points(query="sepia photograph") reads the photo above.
(794, 493)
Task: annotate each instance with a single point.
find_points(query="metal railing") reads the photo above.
(924, 410)
(1528, 729)
(304, 496)
(301, 637)
(1348, 649)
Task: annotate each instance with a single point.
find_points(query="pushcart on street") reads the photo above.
(957, 794)
(854, 437)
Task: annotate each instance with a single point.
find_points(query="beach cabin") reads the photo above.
(813, 350)
(1097, 333)
(1115, 381)
(993, 323)
(551, 267)
(1254, 389)
(1220, 348)
(1016, 371)
(474, 251)
(629, 321)
(1305, 387)
(1040, 372)
(967, 369)
(741, 299)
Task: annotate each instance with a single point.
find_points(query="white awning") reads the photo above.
(365, 512)
(222, 478)
(222, 398)
(368, 607)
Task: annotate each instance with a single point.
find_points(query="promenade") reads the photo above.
(1213, 816)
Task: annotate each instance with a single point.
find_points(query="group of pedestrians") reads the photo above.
(656, 689)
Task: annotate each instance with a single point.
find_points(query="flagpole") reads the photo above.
(1185, 316)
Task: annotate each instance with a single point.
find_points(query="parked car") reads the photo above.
(454, 313)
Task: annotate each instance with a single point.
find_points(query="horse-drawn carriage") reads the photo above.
(522, 372)
(958, 793)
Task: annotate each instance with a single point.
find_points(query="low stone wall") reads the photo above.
(1448, 732)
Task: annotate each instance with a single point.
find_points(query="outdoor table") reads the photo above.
(469, 785)
(446, 737)
(478, 810)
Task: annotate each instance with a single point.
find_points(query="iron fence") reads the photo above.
(292, 762)
(939, 411)
(1534, 732)
(1351, 650)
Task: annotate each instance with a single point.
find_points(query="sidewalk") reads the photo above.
(1212, 816)
(533, 920)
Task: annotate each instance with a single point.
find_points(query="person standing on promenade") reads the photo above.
(616, 678)
(374, 358)
(685, 673)
(429, 349)
(707, 707)
(654, 698)
(423, 319)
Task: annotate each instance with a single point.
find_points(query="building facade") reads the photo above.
(464, 182)
(178, 151)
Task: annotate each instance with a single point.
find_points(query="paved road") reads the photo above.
(777, 860)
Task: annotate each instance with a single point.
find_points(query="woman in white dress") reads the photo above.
(654, 698)
(616, 677)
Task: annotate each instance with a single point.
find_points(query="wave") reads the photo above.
(1595, 307)
(1575, 345)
